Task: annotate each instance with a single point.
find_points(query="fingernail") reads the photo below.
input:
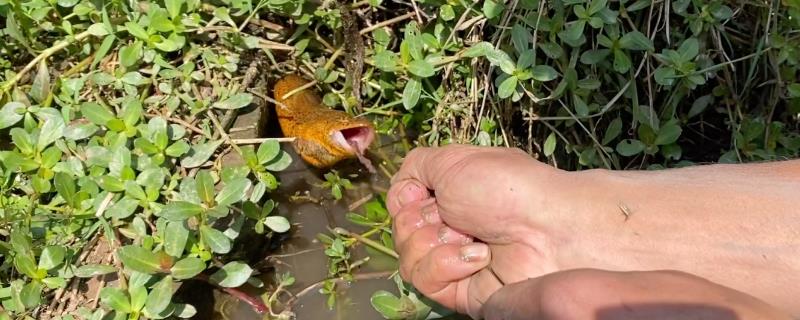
(430, 214)
(474, 252)
(410, 193)
(447, 235)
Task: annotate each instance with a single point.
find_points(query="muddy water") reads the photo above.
(312, 211)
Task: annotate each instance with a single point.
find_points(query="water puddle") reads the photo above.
(313, 211)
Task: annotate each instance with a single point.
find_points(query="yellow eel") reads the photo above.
(323, 137)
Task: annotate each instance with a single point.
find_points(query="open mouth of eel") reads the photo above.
(356, 140)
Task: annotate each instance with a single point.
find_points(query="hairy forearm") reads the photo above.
(738, 225)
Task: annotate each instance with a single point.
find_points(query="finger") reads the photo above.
(438, 274)
(412, 217)
(404, 192)
(423, 240)
(430, 165)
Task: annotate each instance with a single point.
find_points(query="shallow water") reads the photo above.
(312, 211)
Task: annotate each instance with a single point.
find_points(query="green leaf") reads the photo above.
(31, 294)
(501, 59)
(664, 76)
(520, 37)
(184, 311)
(279, 163)
(131, 112)
(480, 49)
(232, 275)
(139, 259)
(137, 31)
(492, 8)
(65, 186)
(187, 268)
(26, 265)
(22, 140)
(133, 190)
(40, 88)
(96, 113)
(146, 146)
(20, 241)
(421, 68)
(200, 153)
(636, 40)
(544, 73)
(689, 49)
(699, 105)
(54, 282)
(180, 210)
(550, 144)
(11, 113)
(100, 54)
(446, 12)
(386, 60)
(116, 299)
(668, 133)
(622, 63)
(205, 187)
(612, 131)
(277, 223)
(268, 150)
(389, 306)
(177, 149)
(51, 257)
(551, 50)
(160, 296)
(98, 29)
(630, 147)
(111, 184)
(638, 5)
(134, 78)
(51, 156)
(594, 56)
(173, 43)
(52, 130)
(138, 294)
(175, 236)
(215, 239)
(573, 34)
(581, 108)
(79, 130)
(411, 93)
(236, 101)
(91, 270)
(173, 7)
(507, 87)
(526, 59)
(233, 191)
(129, 55)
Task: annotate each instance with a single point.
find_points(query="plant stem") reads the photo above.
(375, 245)
(44, 55)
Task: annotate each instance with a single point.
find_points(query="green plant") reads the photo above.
(336, 183)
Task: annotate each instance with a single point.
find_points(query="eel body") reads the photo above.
(323, 137)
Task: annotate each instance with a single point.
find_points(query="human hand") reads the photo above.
(607, 295)
(500, 196)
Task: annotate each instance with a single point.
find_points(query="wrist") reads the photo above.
(587, 211)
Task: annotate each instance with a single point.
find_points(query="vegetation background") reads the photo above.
(114, 117)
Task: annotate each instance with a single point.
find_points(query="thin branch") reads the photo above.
(260, 140)
(44, 55)
(386, 23)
